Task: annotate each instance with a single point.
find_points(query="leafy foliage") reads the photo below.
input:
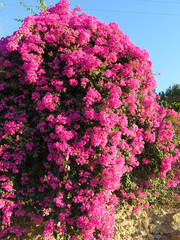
(171, 98)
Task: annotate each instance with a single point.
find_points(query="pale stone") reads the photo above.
(176, 221)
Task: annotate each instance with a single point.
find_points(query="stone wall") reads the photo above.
(159, 222)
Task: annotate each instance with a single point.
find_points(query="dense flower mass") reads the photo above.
(80, 128)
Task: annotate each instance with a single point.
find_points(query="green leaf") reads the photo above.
(18, 20)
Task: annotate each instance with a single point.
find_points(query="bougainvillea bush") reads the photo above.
(80, 128)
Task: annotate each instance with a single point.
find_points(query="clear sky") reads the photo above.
(151, 24)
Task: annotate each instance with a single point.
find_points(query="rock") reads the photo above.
(176, 221)
(165, 238)
(135, 216)
(145, 224)
(158, 236)
(165, 228)
(175, 238)
(175, 235)
(171, 223)
(156, 223)
(150, 237)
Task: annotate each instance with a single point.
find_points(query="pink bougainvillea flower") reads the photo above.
(81, 130)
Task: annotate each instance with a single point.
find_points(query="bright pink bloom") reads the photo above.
(146, 205)
(137, 209)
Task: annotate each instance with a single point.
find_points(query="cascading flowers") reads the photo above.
(77, 113)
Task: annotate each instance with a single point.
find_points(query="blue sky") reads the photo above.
(150, 24)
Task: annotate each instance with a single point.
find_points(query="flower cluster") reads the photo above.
(80, 127)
